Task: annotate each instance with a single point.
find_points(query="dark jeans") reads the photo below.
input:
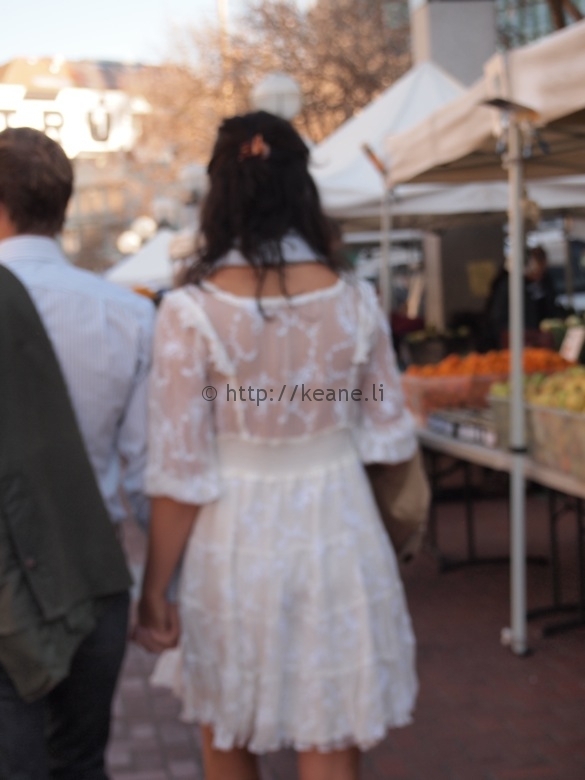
(63, 736)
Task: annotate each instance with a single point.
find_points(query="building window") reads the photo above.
(522, 21)
(396, 14)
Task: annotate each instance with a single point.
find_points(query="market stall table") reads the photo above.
(571, 489)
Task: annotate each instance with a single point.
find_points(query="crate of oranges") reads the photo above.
(465, 381)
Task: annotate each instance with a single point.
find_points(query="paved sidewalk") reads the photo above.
(482, 714)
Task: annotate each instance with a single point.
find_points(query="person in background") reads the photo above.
(294, 629)
(540, 288)
(495, 313)
(539, 301)
(102, 338)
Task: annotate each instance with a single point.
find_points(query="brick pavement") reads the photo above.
(482, 714)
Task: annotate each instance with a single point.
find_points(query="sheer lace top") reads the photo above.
(222, 368)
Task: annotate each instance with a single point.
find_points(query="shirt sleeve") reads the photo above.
(132, 438)
(385, 432)
(182, 459)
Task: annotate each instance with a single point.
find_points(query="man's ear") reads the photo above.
(7, 226)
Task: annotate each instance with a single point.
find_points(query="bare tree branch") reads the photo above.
(343, 53)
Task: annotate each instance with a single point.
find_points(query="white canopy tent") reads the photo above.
(421, 202)
(350, 186)
(456, 143)
(151, 267)
(352, 189)
(538, 111)
(346, 179)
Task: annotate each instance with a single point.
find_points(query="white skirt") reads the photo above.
(295, 630)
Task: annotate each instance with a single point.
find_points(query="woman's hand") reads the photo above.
(158, 626)
(152, 611)
(170, 527)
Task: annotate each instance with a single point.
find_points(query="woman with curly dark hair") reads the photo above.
(274, 382)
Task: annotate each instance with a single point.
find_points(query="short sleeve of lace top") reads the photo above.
(182, 460)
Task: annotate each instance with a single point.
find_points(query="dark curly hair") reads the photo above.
(256, 198)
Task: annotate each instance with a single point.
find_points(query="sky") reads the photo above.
(125, 30)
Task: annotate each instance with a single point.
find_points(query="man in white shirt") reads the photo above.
(102, 336)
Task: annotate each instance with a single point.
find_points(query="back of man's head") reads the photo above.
(36, 181)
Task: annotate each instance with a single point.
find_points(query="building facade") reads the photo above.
(522, 21)
(86, 108)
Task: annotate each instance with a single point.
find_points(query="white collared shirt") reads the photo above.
(102, 335)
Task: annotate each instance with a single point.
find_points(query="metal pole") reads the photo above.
(385, 253)
(385, 270)
(569, 282)
(517, 419)
(227, 87)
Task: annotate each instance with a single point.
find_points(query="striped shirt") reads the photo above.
(102, 335)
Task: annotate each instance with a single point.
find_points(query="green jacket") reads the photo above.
(58, 550)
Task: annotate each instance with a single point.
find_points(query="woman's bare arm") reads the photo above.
(170, 527)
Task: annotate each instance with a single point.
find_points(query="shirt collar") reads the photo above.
(26, 247)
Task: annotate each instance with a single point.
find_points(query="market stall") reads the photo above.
(352, 189)
(150, 267)
(558, 483)
(528, 114)
(347, 181)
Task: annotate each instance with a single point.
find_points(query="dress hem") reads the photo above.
(331, 746)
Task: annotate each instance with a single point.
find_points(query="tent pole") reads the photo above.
(385, 269)
(517, 419)
(385, 253)
(569, 281)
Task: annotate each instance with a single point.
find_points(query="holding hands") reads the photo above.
(157, 627)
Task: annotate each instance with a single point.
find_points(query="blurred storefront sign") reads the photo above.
(84, 121)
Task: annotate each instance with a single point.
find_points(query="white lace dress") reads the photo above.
(295, 630)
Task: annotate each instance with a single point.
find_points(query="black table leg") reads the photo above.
(575, 507)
